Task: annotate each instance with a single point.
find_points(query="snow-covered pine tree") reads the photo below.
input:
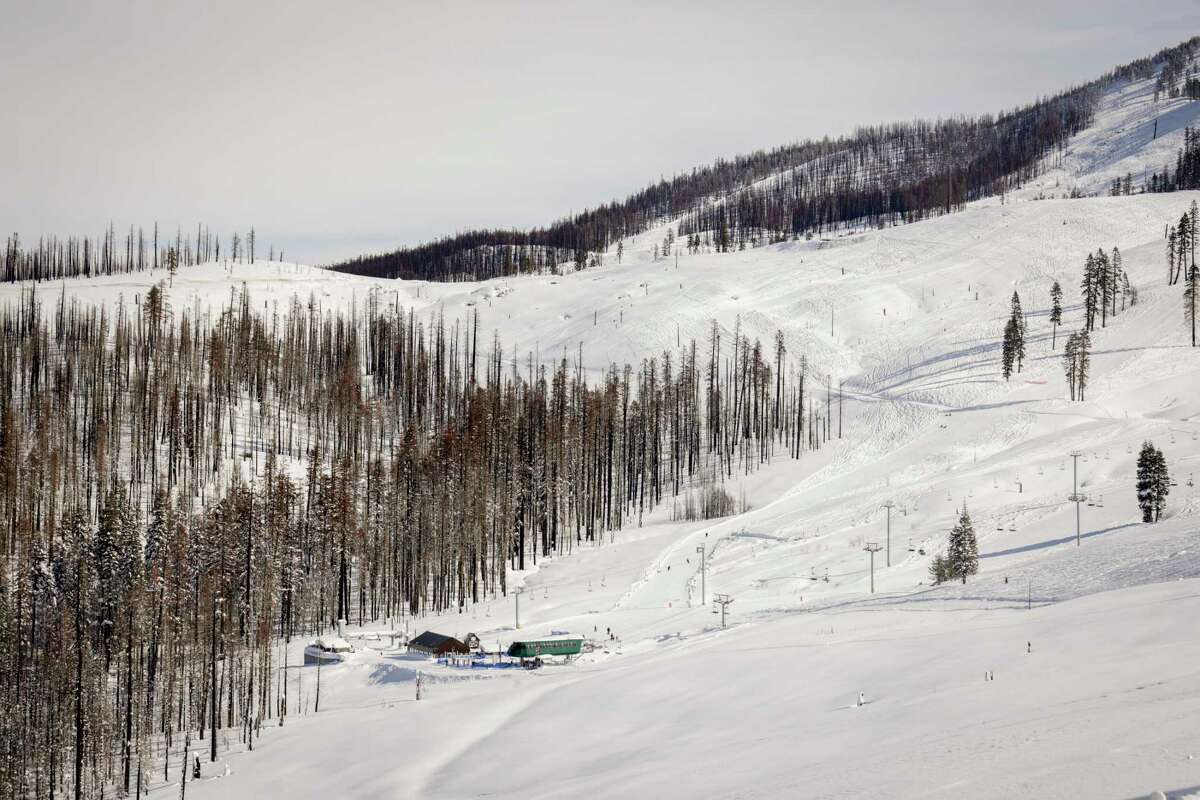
(963, 551)
(1055, 313)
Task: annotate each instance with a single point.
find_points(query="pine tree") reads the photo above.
(1118, 278)
(963, 552)
(1191, 299)
(1071, 362)
(1193, 222)
(1055, 313)
(172, 263)
(1083, 357)
(1153, 483)
(939, 570)
(1172, 247)
(1018, 320)
(1184, 245)
(1162, 484)
(1089, 289)
(1008, 349)
(1104, 290)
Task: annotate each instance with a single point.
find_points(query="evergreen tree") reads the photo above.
(1118, 279)
(1018, 320)
(1008, 349)
(1184, 245)
(1071, 362)
(1083, 357)
(1089, 289)
(939, 570)
(1055, 313)
(1191, 299)
(963, 552)
(1193, 222)
(1104, 289)
(1172, 248)
(1153, 483)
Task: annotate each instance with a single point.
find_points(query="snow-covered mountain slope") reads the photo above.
(1133, 134)
(909, 319)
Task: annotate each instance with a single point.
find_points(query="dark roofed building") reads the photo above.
(435, 644)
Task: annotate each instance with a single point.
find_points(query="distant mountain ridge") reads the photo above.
(882, 174)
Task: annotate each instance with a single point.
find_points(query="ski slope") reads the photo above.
(909, 320)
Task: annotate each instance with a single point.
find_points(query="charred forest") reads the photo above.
(183, 492)
(138, 250)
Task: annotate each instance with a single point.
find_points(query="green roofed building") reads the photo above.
(565, 645)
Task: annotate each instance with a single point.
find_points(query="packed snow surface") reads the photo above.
(1094, 647)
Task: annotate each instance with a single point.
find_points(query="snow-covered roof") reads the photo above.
(334, 644)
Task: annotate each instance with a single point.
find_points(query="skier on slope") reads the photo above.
(862, 699)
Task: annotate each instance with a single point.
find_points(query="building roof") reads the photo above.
(436, 642)
(554, 637)
(333, 644)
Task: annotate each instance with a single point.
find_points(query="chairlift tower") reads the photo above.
(872, 548)
(1075, 496)
(723, 600)
(703, 576)
(889, 505)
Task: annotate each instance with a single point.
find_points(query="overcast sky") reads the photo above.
(337, 127)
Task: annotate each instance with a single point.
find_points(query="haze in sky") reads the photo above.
(338, 128)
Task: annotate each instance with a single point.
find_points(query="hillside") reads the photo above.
(881, 174)
(929, 424)
(1093, 645)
